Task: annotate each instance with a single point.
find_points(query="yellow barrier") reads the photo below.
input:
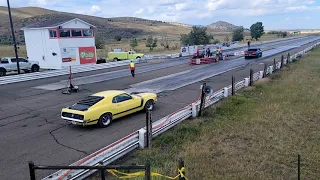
(122, 175)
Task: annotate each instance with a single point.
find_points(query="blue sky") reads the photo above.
(275, 14)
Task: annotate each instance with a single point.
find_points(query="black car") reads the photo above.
(253, 52)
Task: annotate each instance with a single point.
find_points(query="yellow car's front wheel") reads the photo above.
(105, 120)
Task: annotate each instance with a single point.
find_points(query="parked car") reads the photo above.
(116, 56)
(8, 64)
(253, 52)
(104, 107)
(101, 60)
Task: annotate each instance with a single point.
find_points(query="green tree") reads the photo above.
(133, 43)
(257, 30)
(184, 38)
(197, 36)
(237, 34)
(99, 43)
(151, 42)
(284, 34)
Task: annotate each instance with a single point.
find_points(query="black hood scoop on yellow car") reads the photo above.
(86, 103)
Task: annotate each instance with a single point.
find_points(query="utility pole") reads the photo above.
(13, 37)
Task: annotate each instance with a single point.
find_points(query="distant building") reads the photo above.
(57, 44)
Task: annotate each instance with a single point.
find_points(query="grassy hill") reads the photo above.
(222, 26)
(107, 28)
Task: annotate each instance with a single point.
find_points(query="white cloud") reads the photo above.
(95, 9)
(181, 6)
(311, 2)
(257, 7)
(294, 8)
(140, 11)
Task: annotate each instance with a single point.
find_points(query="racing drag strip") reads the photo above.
(182, 79)
(95, 78)
(267, 44)
(109, 75)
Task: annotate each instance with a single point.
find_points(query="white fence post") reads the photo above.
(142, 138)
(194, 110)
(246, 82)
(271, 69)
(261, 75)
(225, 92)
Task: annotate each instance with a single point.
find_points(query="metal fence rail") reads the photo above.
(127, 144)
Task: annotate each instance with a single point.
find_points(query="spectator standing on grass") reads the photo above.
(132, 68)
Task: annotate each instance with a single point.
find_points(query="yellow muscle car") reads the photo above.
(104, 107)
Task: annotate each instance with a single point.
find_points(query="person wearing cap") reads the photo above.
(132, 68)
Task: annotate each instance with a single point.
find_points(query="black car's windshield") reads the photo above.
(253, 50)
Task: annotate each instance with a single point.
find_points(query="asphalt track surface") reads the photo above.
(31, 128)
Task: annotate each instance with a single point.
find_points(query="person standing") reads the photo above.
(209, 53)
(217, 54)
(198, 53)
(220, 53)
(132, 68)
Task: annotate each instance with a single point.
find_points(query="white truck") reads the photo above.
(8, 64)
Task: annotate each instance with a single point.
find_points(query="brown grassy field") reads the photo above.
(256, 134)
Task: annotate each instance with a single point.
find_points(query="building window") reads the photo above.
(76, 33)
(87, 33)
(53, 33)
(64, 32)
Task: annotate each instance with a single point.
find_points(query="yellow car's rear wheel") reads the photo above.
(105, 120)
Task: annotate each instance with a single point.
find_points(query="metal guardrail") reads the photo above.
(127, 144)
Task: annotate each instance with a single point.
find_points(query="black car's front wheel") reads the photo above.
(105, 120)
